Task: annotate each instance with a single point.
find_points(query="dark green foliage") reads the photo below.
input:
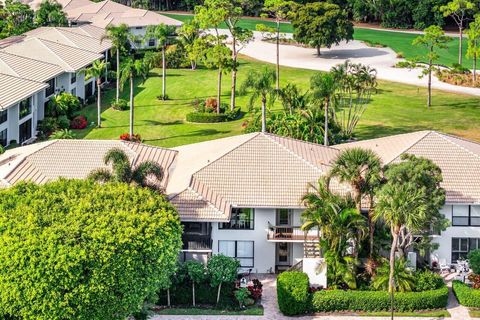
(74, 249)
(428, 280)
(208, 117)
(338, 300)
(292, 293)
(50, 14)
(466, 295)
(63, 122)
(474, 260)
(176, 57)
(120, 105)
(15, 18)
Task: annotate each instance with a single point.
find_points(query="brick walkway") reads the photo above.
(271, 312)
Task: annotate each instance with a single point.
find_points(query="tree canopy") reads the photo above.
(50, 13)
(76, 249)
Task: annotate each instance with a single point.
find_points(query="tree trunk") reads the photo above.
(99, 104)
(474, 68)
(371, 232)
(264, 111)
(460, 53)
(193, 63)
(391, 282)
(168, 297)
(107, 57)
(164, 75)
(219, 89)
(278, 55)
(318, 50)
(118, 76)
(131, 107)
(218, 293)
(193, 293)
(234, 75)
(325, 138)
(429, 98)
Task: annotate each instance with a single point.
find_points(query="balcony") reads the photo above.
(196, 243)
(290, 234)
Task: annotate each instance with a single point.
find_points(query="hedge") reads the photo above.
(292, 293)
(338, 300)
(466, 295)
(211, 117)
(181, 295)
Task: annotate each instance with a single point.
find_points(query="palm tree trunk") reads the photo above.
(278, 55)
(474, 68)
(131, 107)
(99, 104)
(234, 75)
(429, 98)
(264, 116)
(219, 89)
(391, 281)
(193, 293)
(371, 232)
(117, 96)
(164, 75)
(325, 138)
(460, 38)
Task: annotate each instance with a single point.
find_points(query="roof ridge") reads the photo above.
(28, 58)
(9, 67)
(427, 132)
(268, 136)
(444, 137)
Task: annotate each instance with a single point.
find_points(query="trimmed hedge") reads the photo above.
(292, 293)
(466, 295)
(338, 300)
(212, 117)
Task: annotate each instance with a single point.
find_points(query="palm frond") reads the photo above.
(146, 169)
(100, 175)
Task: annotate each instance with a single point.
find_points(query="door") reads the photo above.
(284, 217)
(284, 254)
(25, 131)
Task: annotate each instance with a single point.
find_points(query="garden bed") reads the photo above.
(427, 314)
(256, 310)
(466, 295)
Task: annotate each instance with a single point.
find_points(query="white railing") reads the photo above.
(290, 233)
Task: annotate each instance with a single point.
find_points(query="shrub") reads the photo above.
(242, 295)
(90, 100)
(427, 280)
(120, 105)
(474, 260)
(292, 293)
(63, 103)
(210, 104)
(208, 117)
(63, 122)
(466, 295)
(134, 138)
(79, 122)
(2, 149)
(63, 134)
(475, 279)
(338, 300)
(48, 125)
(222, 269)
(256, 289)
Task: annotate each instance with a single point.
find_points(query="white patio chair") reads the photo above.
(444, 267)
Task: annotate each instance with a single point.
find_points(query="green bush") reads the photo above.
(63, 122)
(207, 117)
(120, 105)
(474, 260)
(338, 300)
(466, 295)
(292, 293)
(428, 280)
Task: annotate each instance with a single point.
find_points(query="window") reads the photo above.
(283, 216)
(3, 116)
(240, 250)
(462, 246)
(241, 219)
(151, 43)
(3, 137)
(51, 88)
(88, 90)
(25, 131)
(73, 78)
(25, 108)
(74, 92)
(464, 215)
(139, 28)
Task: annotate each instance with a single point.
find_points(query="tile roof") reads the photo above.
(71, 59)
(27, 68)
(14, 89)
(193, 207)
(78, 158)
(87, 30)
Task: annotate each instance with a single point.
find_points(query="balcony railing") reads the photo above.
(196, 243)
(290, 233)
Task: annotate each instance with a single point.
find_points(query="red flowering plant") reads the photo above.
(79, 122)
(475, 279)
(134, 138)
(256, 289)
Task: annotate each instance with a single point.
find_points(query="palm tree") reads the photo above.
(96, 71)
(119, 37)
(261, 82)
(123, 171)
(162, 33)
(403, 277)
(323, 87)
(361, 168)
(129, 71)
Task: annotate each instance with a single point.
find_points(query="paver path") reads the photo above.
(271, 312)
(382, 59)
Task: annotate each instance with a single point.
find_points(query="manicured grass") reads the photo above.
(474, 313)
(397, 108)
(252, 311)
(400, 42)
(429, 314)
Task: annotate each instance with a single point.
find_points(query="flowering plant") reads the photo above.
(79, 122)
(134, 138)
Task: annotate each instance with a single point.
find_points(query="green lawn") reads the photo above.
(252, 311)
(397, 108)
(400, 42)
(429, 314)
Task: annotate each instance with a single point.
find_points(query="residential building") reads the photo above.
(241, 195)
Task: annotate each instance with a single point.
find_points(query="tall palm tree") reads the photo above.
(119, 36)
(323, 87)
(130, 69)
(361, 169)
(261, 82)
(96, 71)
(162, 33)
(123, 171)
